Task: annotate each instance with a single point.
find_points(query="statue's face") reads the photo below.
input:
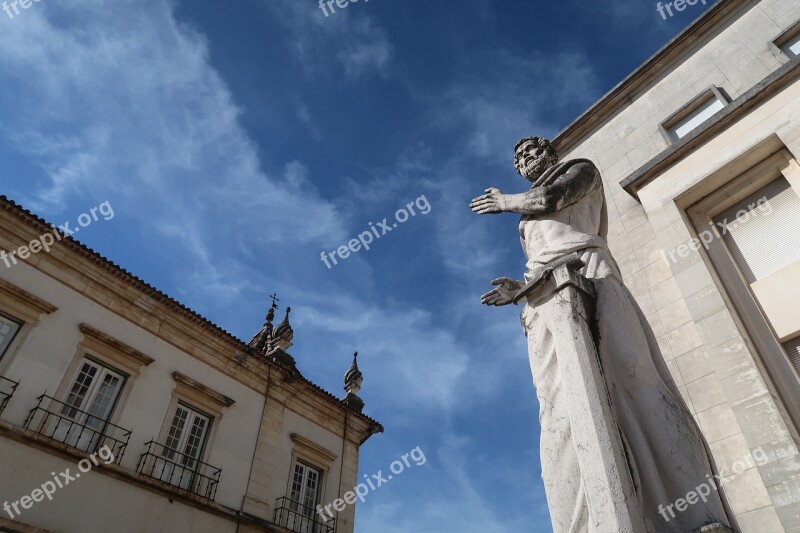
(531, 160)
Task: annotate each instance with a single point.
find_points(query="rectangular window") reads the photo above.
(696, 117)
(792, 47)
(8, 330)
(88, 406)
(763, 230)
(693, 115)
(187, 435)
(305, 489)
(184, 446)
(789, 42)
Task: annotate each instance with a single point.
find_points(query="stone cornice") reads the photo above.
(773, 83)
(621, 95)
(313, 448)
(215, 397)
(31, 305)
(123, 349)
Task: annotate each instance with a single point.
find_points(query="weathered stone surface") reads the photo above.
(619, 445)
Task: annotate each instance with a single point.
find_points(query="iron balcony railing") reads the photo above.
(68, 425)
(179, 470)
(300, 518)
(7, 389)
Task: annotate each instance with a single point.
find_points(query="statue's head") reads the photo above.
(533, 156)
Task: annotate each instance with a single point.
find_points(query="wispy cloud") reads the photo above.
(124, 103)
(450, 498)
(349, 40)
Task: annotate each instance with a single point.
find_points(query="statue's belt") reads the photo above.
(543, 273)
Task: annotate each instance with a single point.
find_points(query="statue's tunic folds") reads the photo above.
(666, 452)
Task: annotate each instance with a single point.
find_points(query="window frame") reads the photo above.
(666, 128)
(71, 376)
(296, 505)
(106, 351)
(23, 307)
(177, 401)
(778, 45)
(764, 344)
(183, 441)
(306, 451)
(10, 344)
(94, 388)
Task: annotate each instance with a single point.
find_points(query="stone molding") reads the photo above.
(201, 394)
(313, 450)
(22, 304)
(125, 356)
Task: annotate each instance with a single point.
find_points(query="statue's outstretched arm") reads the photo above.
(543, 198)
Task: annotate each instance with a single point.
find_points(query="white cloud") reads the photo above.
(122, 102)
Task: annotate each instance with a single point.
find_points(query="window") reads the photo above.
(792, 47)
(187, 435)
(88, 406)
(184, 446)
(305, 489)
(763, 230)
(8, 330)
(756, 210)
(788, 44)
(793, 351)
(693, 115)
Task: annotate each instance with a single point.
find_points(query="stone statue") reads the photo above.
(661, 455)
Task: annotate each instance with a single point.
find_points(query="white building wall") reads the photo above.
(697, 332)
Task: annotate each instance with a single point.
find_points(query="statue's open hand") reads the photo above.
(494, 201)
(504, 293)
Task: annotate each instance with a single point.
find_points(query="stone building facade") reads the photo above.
(122, 410)
(699, 152)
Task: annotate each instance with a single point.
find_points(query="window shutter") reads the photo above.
(763, 230)
(793, 351)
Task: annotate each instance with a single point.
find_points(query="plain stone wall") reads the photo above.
(715, 371)
(95, 502)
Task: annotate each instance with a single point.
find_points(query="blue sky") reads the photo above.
(238, 140)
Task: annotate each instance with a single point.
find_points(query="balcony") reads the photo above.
(299, 518)
(179, 470)
(64, 423)
(7, 389)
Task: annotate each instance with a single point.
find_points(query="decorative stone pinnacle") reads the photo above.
(265, 339)
(353, 378)
(352, 385)
(283, 334)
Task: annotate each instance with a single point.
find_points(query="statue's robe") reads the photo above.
(667, 455)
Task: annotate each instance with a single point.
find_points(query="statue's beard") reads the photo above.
(535, 168)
